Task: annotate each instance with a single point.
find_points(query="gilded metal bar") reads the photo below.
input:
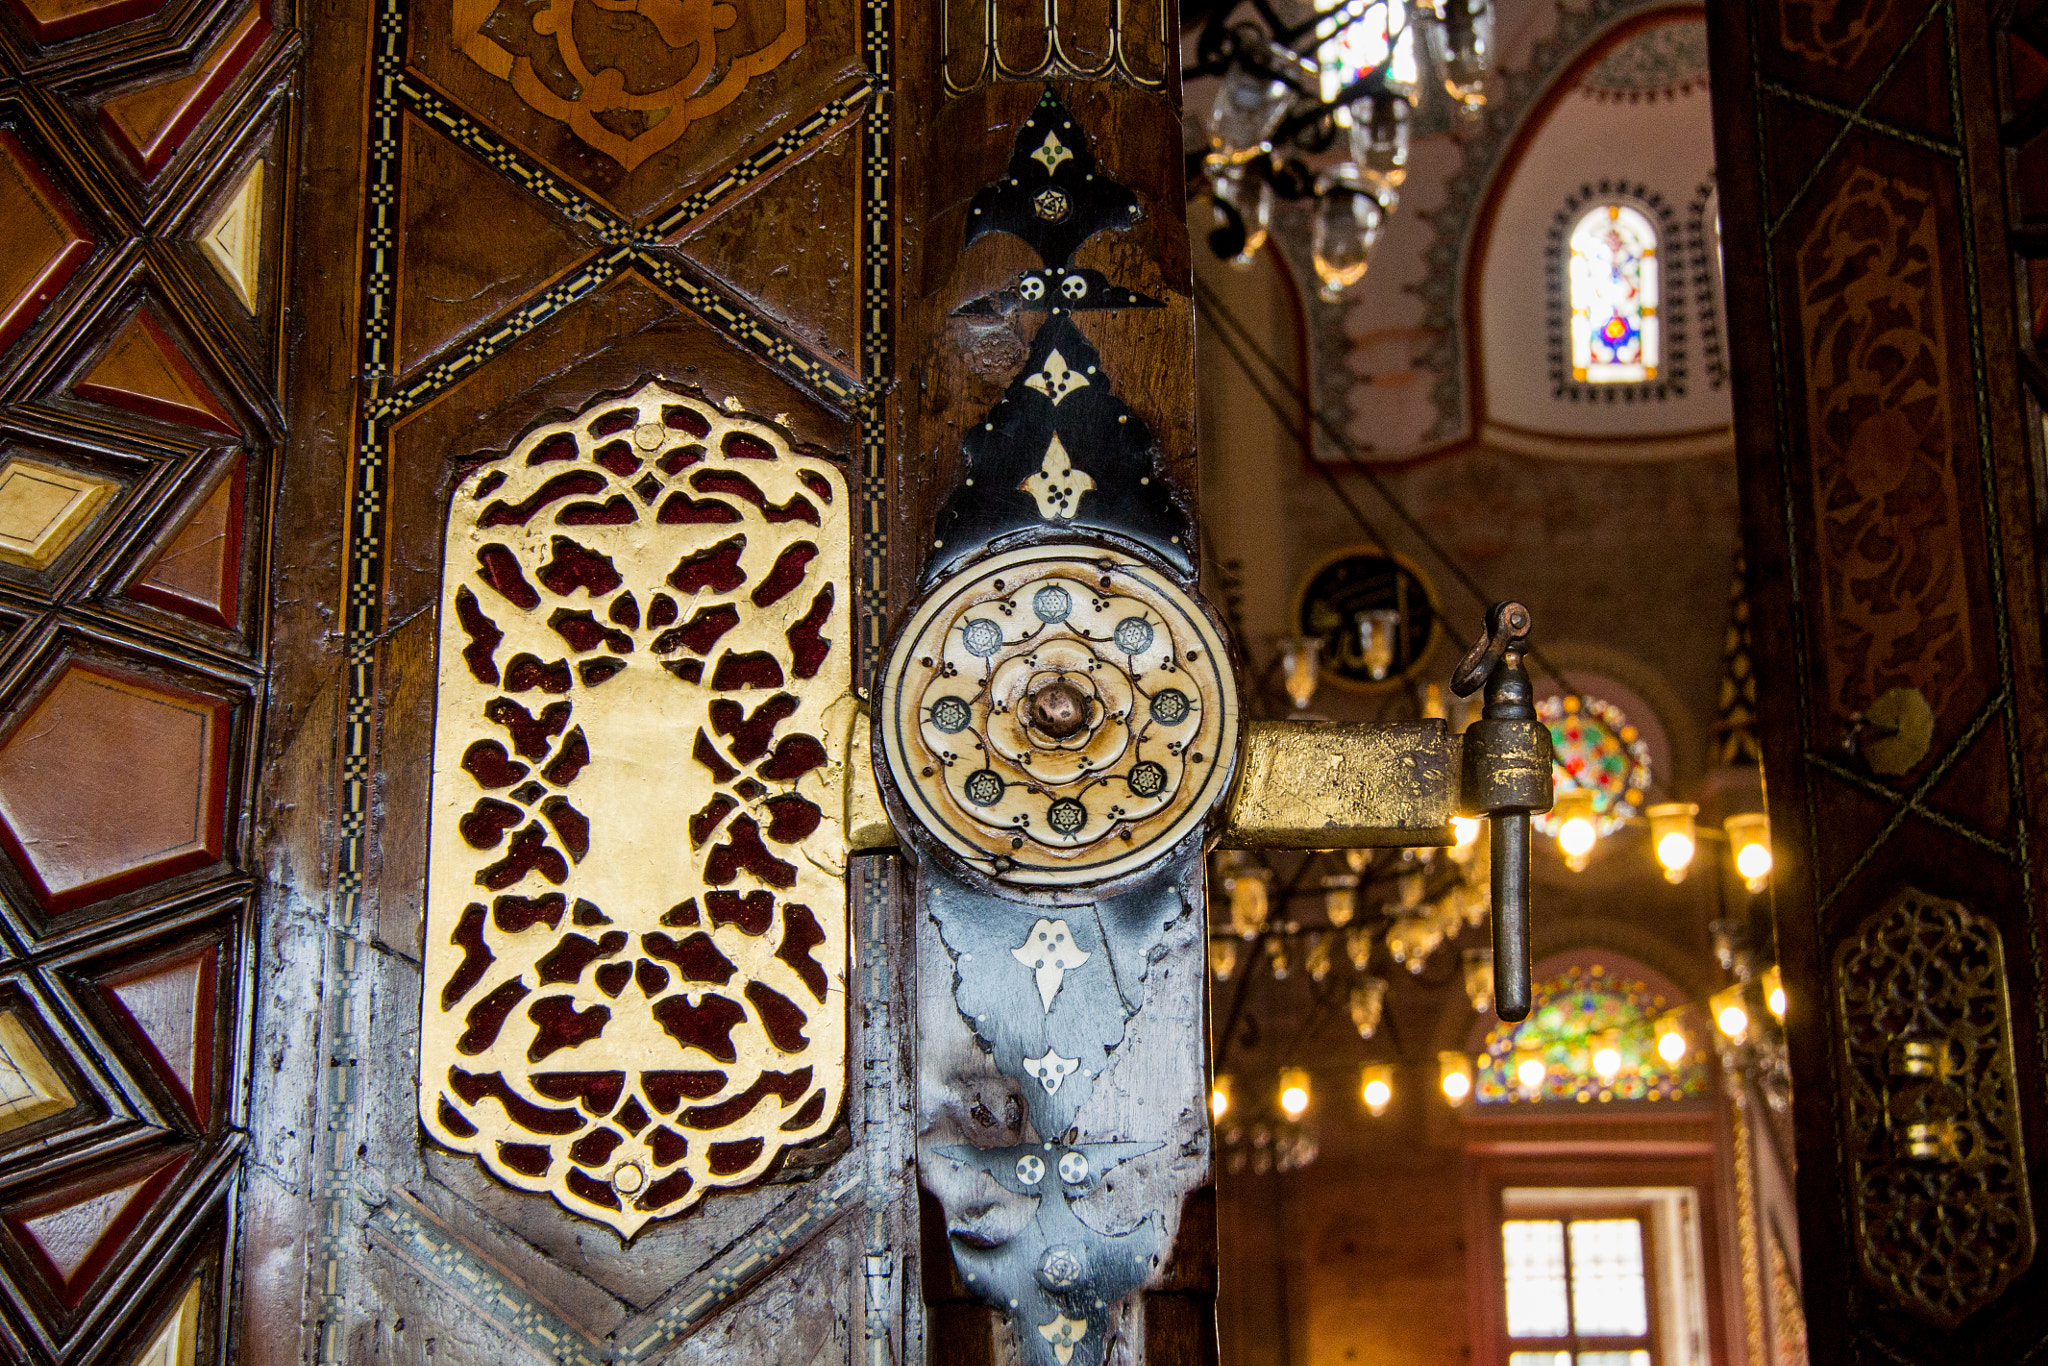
(1336, 785)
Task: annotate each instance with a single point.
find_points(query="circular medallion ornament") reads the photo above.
(1376, 615)
(1059, 715)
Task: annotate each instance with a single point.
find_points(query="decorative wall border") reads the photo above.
(1703, 243)
(380, 404)
(1672, 250)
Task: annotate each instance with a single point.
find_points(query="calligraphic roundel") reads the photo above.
(1059, 715)
(636, 908)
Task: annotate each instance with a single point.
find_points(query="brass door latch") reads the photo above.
(1397, 784)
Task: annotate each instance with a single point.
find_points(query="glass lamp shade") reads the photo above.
(1774, 991)
(1346, 225)
(1368, 1003)
(1358, 948)
(1294, 1091)
(1317, 958)
(1340, 898)
(1249, 107)
(1731, 1012)
(1673, 837)
(1248, 194)
(1576, 829)
(1248, 904)
(1377, 629)
(1379, 140)
(1479, 979)
(1222, 958)
(1301, 659)
(1749, 839)
(1461, 44)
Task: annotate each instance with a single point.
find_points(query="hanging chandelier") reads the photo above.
(1353, 70)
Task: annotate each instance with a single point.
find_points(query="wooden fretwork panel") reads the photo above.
(633, 1000)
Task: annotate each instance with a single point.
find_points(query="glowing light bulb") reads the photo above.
(1675, 851)
(1753, 861)
(1293, 1091)
(1733, 1020)
(1749, 835)
(1607, 1062)
(1464, 830)
(1576, 837)
(1529, 1072)
(1378, 1089)
(1454, 1075)
(1671, 1046)
(1219, 1102)
(1776, 1002)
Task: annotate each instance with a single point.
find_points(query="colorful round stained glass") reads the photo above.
(1595, 747)
(1578, 1014)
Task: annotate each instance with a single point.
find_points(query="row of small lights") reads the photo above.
(1454, 1068)
(1674, 836)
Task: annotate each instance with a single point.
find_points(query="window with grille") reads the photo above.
(1579, 1291)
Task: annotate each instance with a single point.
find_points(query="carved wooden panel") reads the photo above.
(1889, 525)
(144, 148)
(642, 607)
(530, 215)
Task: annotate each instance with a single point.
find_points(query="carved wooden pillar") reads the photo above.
(1886, 454)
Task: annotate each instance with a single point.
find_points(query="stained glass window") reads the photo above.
(1595, 746)
(1579, 1015)
(1614, 296)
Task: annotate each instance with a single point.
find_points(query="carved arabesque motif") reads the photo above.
(1897, 608)
(542, 58)
(636, 919)
(1939, 1181)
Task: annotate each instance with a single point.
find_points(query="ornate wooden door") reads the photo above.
(1889, 459)
(615, 447)
(147, 166)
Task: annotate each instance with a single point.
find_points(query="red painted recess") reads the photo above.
(111, 781)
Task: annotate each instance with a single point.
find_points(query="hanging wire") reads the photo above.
(1237, 339)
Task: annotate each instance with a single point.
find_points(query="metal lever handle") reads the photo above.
(1507, 775)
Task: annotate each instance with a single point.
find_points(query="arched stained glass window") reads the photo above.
(1595, 746)
(1614, 297)
(1581, 1014)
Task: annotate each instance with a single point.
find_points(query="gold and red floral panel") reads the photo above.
(144, 162)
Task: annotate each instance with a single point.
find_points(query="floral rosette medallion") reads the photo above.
(1059, 715)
